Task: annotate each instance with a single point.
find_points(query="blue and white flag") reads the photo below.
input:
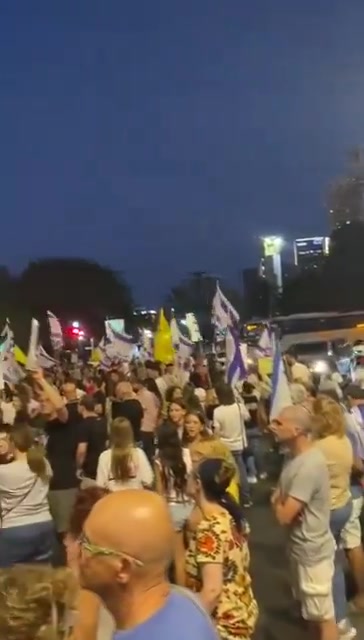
(119, 345)
(55, 331)
(235, 367)
(12, 371)
(265, 342)
(147, 346)
(223, 313)
(32, 355)
(281, 394)
(116, 325)
(7, 339)
(182, 345)
(44, 360)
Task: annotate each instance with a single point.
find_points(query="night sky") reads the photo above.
(162, 137)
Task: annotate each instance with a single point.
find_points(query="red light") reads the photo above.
(75, 331)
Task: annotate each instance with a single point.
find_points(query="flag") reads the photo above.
(44, 360)
(163, 345)
(7, 339)
(235, 366)
(147, 347)
(281, 394)
(116, 325)
(19, 355)
(183, 346)
(12, 372)
(265, 342)
(117, 345)
(223, 313)
(193, 328)
(32, 355)
(55, 331)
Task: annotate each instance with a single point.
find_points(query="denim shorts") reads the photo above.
(28, 544)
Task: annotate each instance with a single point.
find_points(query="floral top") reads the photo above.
(216, 540)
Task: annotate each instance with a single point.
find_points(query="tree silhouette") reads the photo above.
(75, 288)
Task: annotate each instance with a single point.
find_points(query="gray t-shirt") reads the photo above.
(306, 478)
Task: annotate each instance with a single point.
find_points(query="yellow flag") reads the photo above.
(163, 345)
(95, 356)
(19, 355)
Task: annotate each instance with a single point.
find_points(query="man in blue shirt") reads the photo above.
(127, 548)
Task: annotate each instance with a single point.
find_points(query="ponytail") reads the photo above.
(37, 461)
(24, 441)
(233, 508)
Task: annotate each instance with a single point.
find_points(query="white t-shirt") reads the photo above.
(171, 494)
(299, 372)
(229, 422)
(141, 473)
(23, 496)
(9, 412)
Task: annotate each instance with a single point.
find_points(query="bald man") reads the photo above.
(302, 504)
(126, 551)
(128, 406)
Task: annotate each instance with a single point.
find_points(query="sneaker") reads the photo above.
(346, 630)
(252, 479)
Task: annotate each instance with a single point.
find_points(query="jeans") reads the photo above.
(338, 520)
(244, 484)
(28, 544)
(255, 454)
(147, 440)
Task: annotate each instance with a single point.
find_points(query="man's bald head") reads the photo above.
(298, 414)
(292, 422)
(135, 522)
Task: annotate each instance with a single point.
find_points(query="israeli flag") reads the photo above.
(7, 340)
(44, 360)
(265, 342)
(119, 345)
(182, 346)
(223, 313)
(55, 331)
(281, 394)
(147, 346)
(235, 366)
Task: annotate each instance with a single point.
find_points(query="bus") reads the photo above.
(312, 327)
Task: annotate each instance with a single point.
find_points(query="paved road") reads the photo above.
(279, 618)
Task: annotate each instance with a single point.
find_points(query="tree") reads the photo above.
(303, 294)
(75, 289)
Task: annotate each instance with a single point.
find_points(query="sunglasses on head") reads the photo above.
(96, 550)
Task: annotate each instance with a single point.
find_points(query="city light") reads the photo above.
(272, 245)
(75, 324)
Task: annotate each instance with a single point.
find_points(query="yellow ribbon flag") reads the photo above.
(19, 355)
(163, 345)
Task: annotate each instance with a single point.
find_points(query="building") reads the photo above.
(346, 197)
(310, 253)
(270, 262)
(256, 294)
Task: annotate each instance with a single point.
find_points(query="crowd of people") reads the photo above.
(125, 496)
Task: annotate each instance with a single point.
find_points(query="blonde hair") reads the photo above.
(328, 418)
(23, 439)
(122, 445)
(30, 595)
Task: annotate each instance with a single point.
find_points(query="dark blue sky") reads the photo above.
(162, 137)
